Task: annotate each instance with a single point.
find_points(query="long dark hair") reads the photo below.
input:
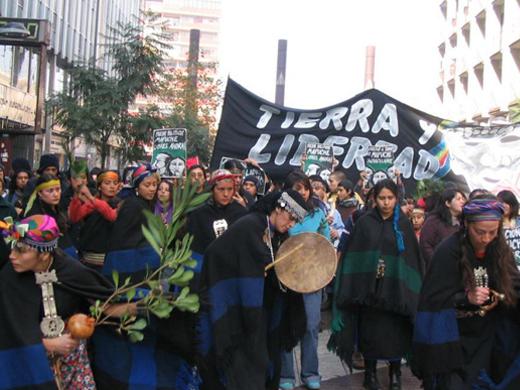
(504, 267)
(508, 197)
(441, 210)
(12, 184)
(390, 185)
(298, 177)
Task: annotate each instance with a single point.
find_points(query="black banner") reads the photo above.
(276, 136)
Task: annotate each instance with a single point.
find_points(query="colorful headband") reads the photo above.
(483, 210)
(40, 187)
(290, 205)
(219, 175)
(39, 232)
(141, 173)
(107, 175)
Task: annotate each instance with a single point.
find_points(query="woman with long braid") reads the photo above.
(377, 288)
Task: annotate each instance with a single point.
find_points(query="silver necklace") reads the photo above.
(51, 325)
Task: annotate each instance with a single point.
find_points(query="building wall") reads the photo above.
(79, 31)
(480, 58)
(180, 17)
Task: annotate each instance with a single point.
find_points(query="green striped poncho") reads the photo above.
(372, 244)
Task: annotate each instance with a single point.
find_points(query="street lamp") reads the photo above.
(14, 30)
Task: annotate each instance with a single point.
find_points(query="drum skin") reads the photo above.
(308, 268)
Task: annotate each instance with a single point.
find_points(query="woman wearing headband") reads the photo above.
(314, 222)
(40, 288)
(45, 199)
(466, 332)
(159, 365)
(98, 214)
(377, 288)
(250, 316)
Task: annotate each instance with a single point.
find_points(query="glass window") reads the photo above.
(6, 59)
(20, 71)
(33, 71)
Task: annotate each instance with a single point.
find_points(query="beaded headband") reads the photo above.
(289, 204)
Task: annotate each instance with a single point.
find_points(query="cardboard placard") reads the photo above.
(169, 152)
(319, 159)
(379, 163)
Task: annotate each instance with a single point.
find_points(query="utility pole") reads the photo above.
(370, 61)
(193, 64)
(280, 72)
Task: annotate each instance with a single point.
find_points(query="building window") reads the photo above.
(440, 92)
(453, 40)
(451, 87)
(444, 9)
(515, 53)
(464, 81)
(481, 22)
(466, 33)
(498, 6)
(496, 62)
(479, 73)
(442, 49)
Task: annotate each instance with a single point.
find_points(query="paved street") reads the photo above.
(335, 376)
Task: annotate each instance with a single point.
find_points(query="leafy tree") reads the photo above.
(96, 107)
(193, 106)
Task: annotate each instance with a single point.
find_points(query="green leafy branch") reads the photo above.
(173, 271)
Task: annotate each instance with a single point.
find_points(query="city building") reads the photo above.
(480, 59)
(77, 34)
(179, 18)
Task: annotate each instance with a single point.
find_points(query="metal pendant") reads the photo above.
(52, 326)
(219, 227)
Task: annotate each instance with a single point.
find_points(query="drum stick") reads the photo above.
(283, 257)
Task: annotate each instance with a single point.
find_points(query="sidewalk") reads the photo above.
(336, 376)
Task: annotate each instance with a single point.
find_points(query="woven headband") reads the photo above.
(290, 205)
(483, 210)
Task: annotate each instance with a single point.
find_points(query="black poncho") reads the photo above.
(392, 298)
(163, 359)
(23, 357)
(250, 319)
(482, 351)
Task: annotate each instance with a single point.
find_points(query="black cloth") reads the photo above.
(7, 209)
(24, 361)
(448, 349)
(200, 222)
(249, 319)
(165, 357)
(95, 229)
(126, 231)
(363, 301)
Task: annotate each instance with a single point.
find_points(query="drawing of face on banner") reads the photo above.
(378, 176)
(177, 167)
(161, 164)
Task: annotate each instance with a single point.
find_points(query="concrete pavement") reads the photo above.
(336, 376)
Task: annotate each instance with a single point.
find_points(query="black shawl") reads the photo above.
(481, 350)
(250, 319)
(22, 356)
(372, 239)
